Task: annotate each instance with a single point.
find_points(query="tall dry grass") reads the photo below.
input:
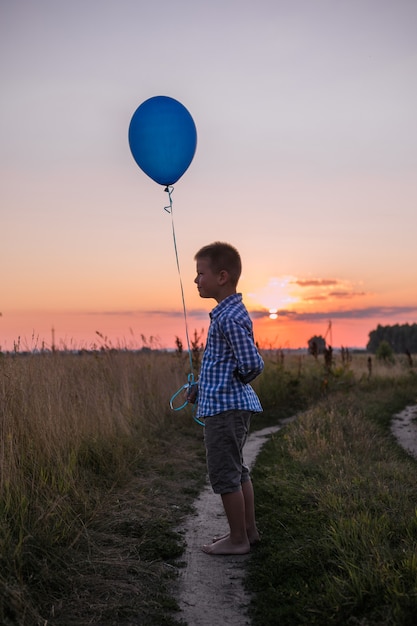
(67, 422)
(58, 400)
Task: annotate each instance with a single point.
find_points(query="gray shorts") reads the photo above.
(225, 435)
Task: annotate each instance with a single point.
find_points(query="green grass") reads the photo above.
(336, 504)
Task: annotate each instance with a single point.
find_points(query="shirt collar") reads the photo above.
(235, 298)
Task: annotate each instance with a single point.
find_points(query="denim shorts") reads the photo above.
(225, 435)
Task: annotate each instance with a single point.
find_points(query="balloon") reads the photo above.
(162, 139)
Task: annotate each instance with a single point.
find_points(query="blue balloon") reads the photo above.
(162, 139)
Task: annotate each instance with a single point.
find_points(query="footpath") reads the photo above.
(211, 587)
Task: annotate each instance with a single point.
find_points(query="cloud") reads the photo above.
(346, 294)
(291, 315)
(197, 313)
(351, 314)
(316, 282)
(319, 289)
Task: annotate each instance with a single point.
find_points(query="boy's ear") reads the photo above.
(223, 277)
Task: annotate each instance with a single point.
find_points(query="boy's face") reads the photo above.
(207, 281)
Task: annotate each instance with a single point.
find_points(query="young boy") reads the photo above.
(226, 401)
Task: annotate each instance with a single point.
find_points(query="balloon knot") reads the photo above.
(169, 189)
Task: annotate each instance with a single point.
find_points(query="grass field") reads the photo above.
(337, 507)
(97, 471)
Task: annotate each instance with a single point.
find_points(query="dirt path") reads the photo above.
(211, 587)
(404, 428)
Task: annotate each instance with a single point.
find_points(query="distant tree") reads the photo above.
(316, 345)
(401, 337)
(385, 352)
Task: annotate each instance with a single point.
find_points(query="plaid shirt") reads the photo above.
(230, 361)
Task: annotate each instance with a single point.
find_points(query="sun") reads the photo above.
(275, 295)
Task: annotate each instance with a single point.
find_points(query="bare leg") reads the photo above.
(236, 542)
(250, 521)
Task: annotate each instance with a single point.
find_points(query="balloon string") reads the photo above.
(169, 209)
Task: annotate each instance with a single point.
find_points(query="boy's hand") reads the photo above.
(248, 377)
(192, 393)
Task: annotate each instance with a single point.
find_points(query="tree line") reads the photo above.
(401, 337)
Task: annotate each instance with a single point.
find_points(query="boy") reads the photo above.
(226, 401)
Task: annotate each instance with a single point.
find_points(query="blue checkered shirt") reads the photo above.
(230, 361)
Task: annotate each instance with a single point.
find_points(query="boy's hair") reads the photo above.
(222, 256)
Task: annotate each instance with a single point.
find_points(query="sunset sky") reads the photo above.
(306, 161)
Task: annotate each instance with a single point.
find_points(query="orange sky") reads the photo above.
(133, 330)
(286, 313)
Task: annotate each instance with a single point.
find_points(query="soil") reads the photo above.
(404, 429)
(211, 587)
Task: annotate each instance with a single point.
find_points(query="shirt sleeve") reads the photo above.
(239, 336)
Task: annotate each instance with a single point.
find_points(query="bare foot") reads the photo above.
(253, 539)
(225, 546)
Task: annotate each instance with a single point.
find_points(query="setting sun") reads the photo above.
(277, 294)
